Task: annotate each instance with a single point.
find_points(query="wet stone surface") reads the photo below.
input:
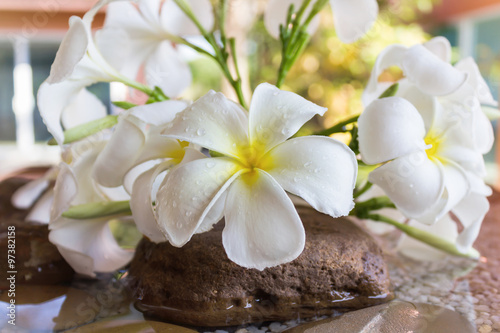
(393, 317)
(341, 269)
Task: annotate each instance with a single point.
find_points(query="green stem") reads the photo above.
(338, 128)
(221, 54)
(84, 130)
(426, 237)
(391, 91)
(295, 41)
(363, 190)
(97, 210)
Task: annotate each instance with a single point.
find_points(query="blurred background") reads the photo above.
(329, 73)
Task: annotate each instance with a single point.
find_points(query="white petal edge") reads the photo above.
(84, 108)
(413, 182)
(177, 23)
(262, 228)
(276, 115)
(392, 55)
(187, 194)
(212, 122)
(471, 212)
(166, 69)
(353, 18)
(141, 203)
(431, 74)
(441, 47)
(320, 170)
(390, 128)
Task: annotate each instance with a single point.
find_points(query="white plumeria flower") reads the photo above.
(87, 245)
(352, 19)
(429, 74)
(151, 35)
(433, 168)
(78, 64)
(37, 196)
(247, 185)
(136, 152)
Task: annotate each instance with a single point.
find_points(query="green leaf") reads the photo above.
(124, 105)
(87, 129)
(98, 209)
(391, 91)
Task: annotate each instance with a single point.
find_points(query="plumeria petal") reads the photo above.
(441, 47)
(425, 104)
(389, 128)
(445, 228)
(150, 10)
(320, 170)
(138, 131)
(26, 195)
(431, 74)
(272, 109)
(52, 102)
(484, 136)
(72, 50)
(41, 210)
(85, 107)
(177, 23)
(413, 182)
(353, 18)
(141, 203)
(276, 12)
(456, 187)
(89, 246)
(119, 154)
(470, 211)
(392, 55)
(188, 193)
(65, 190)
(476, 80)
(166, 69)
(213, 122)
(250, 240)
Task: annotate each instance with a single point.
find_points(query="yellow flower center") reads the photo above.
(433, 141)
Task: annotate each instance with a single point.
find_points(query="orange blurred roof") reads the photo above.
(449, 10)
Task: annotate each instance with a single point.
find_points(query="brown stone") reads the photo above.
(341, 269)
(37, 261)
(393, 317)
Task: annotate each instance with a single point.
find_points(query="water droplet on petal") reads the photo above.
(201, 132)
(210, 164)
(307, 164)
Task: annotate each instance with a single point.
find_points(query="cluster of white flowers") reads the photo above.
(430, 139)
(151, 165)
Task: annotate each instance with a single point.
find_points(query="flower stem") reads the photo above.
(363, 190)
(84, 130)
(294, 36)
(220, 51)
(338, 128)
(426, 237)
(98, 209)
